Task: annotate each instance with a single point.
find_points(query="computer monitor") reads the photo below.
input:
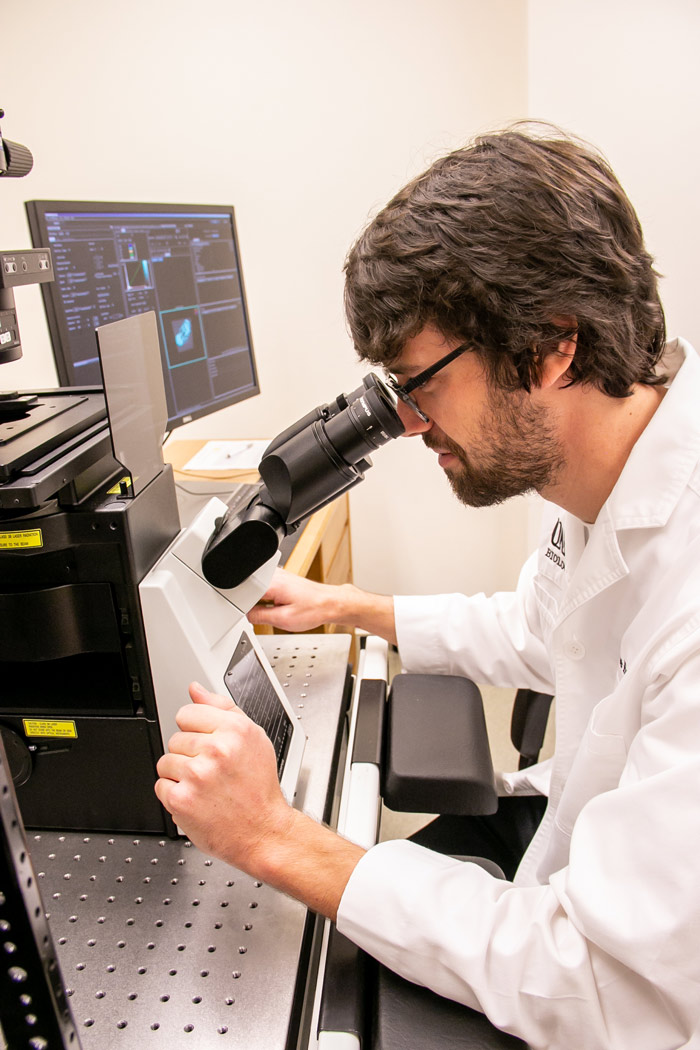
(179, 260)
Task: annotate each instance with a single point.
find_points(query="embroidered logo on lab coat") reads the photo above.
(556, 549)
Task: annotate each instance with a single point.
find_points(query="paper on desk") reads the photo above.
(227, 455)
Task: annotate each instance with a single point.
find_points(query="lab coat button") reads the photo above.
(574, 649)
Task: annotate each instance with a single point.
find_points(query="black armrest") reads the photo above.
(344, 995)
(408, 1016)
(529, 723)
(369, 728)
(437, 755)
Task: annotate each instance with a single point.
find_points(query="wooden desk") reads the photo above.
(322, 551)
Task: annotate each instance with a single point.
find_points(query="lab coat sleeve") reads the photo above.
(494, 640)
(603, 955)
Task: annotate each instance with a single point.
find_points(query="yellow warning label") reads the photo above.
(21, 539)
(122, 488)
(50, 727)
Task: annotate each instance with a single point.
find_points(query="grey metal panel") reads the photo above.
(161, 946)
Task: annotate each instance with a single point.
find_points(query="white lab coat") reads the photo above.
(597, 942)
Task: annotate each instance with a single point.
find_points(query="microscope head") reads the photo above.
(305, 467)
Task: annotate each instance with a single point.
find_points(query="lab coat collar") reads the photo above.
(649, 488)
(667, 452)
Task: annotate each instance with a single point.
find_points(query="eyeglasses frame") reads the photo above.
(404, 390)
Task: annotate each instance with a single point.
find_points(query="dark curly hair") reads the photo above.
(499, 242)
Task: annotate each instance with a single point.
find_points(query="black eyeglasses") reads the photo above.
(403, 391)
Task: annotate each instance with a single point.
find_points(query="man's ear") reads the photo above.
(556, 363)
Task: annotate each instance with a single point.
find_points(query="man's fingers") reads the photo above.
(277, 583)
(273, 615)
(188, 744)
(171, 766)
(200, 695)
(260, 611)
(205, 718)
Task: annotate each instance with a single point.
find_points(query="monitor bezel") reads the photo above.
(37, 210)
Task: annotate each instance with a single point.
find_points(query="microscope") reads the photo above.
(195, 598)
(109, 607)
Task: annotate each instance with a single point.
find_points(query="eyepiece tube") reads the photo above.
(330, 454)
(367, 423)
(309, 464)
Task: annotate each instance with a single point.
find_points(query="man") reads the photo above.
(514, 270)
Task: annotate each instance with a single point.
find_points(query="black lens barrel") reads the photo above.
(369, 421)
(330, 452)
(309, 464)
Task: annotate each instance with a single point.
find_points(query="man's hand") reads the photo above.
(220, 784)
(297, 604)
(294, 603)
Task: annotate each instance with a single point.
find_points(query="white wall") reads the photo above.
(624, 75)
(306, 116)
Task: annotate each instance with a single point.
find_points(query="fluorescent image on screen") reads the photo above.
(181, 261)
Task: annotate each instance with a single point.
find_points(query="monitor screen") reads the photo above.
(181, 261)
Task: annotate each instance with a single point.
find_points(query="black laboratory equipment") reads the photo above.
(83, 522)
(86, 508)
(35, 1010)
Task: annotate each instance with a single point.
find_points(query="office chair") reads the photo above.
(427, 748)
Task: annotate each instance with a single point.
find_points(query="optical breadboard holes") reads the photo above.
(295, 671)
(149, 958)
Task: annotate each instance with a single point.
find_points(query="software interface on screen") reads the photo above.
(182, 262)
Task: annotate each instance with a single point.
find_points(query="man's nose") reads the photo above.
(413, 424)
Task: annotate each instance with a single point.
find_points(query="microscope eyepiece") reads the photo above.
(329, 452)
(307, 466)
